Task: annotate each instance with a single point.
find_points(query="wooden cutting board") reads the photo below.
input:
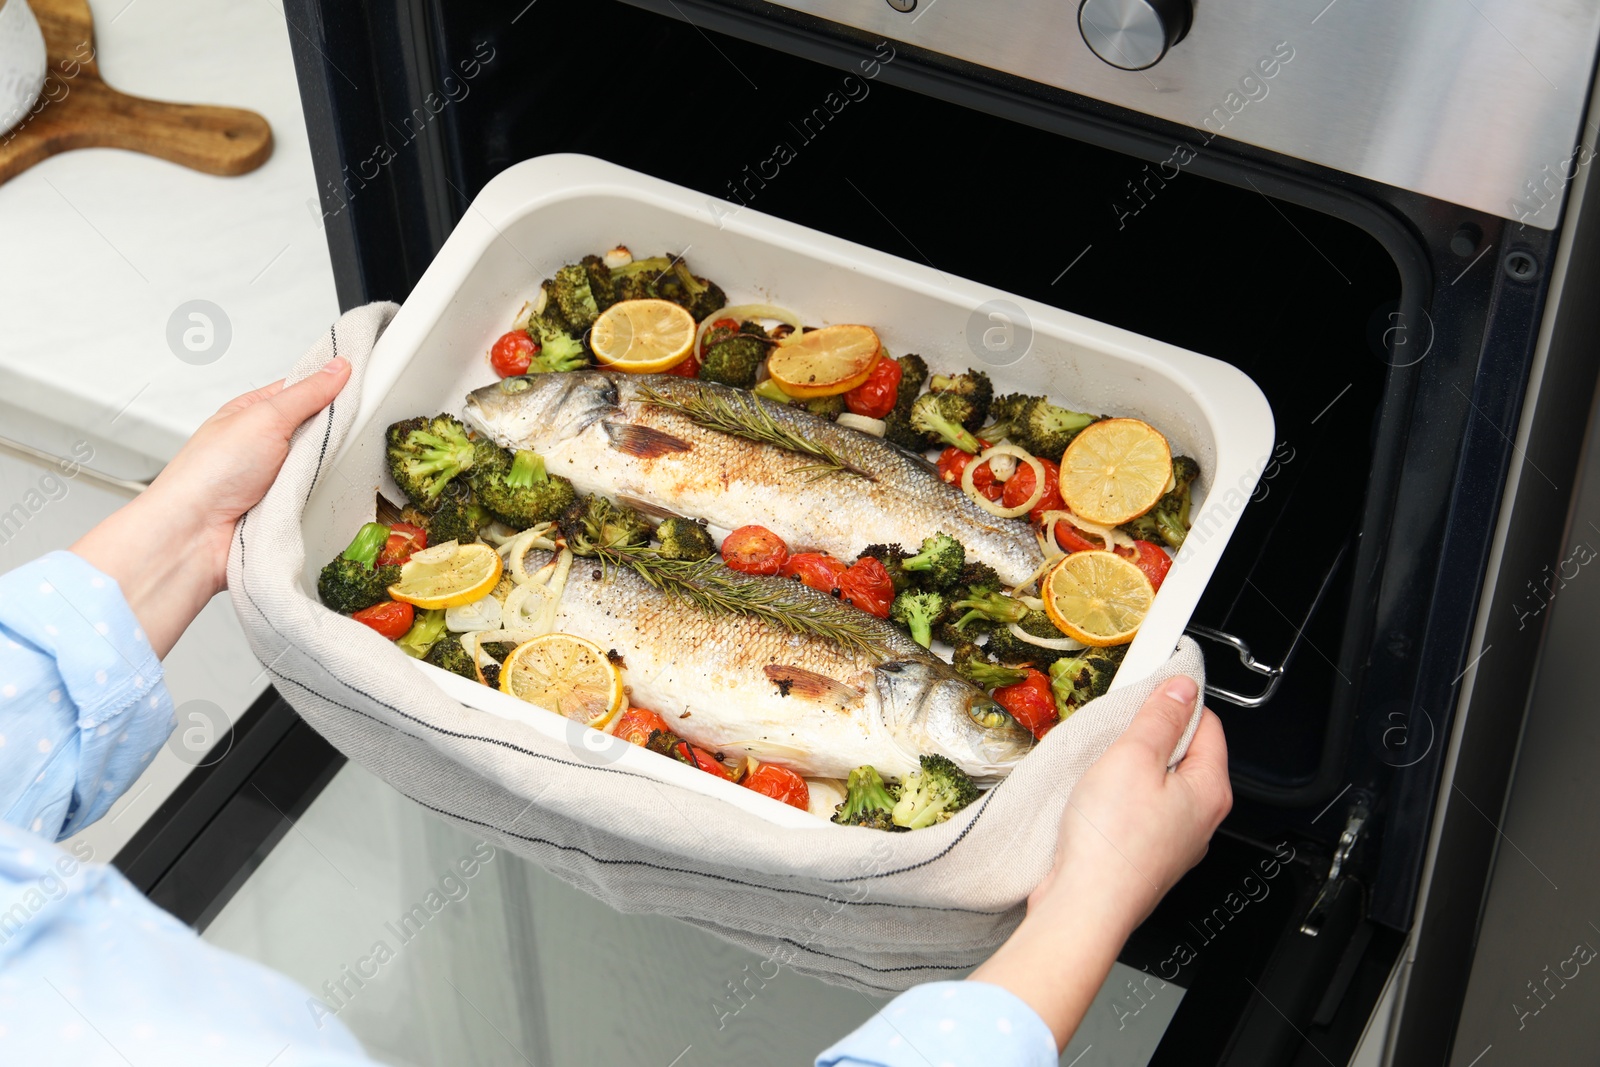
(78, 110)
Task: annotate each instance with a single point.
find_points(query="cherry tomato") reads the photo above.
(1072, 539)
(684, 752)
(953, 467)
(1148, 558)
(404, 539)
(817, 569)
(689, 368)
(391, 618)
(637, 724)
(867, 585)
(779, 783)
(875, 397)
(1030, 702)
(720, 330)
(754, 550)
(511, 354)
(1019, 487)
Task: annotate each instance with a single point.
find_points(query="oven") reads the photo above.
(1372, 209)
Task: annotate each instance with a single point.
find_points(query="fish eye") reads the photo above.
(519, 384)
(988, 714)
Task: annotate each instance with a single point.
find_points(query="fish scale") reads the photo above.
(739, 685)
(599, 430)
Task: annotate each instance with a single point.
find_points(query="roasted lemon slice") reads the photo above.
(643, 336)
(834, 359)
(566, 675)
(1115, 470)
(1098, 598)
(447, 575)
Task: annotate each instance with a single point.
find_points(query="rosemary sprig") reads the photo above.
(748, 418)
(711, 587)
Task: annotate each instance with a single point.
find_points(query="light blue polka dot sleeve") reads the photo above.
(82, 707)
(92, 974)
(948, 1024)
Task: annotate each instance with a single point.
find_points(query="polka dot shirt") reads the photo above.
(948, 1024)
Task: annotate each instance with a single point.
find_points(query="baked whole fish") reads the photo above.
(738, 685)
(600, 430)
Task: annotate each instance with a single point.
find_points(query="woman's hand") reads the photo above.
(168, 548)
(1130, 830)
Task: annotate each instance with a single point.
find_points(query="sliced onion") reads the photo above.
(1057, 644)
(864, 423)
(1036, 575)
(1109, 536)
(742, 312)
(1032, 603)
(990, 506)
(481, 614)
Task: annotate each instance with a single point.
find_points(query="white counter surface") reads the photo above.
(99, 247)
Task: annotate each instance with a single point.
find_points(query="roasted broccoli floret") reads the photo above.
(684, 539)
(974, 387)
(457, 518)
(913, 373)
(897, 428)
(939, 562)
(941, 418)
(945, 630)
(593, 522)
(891, 556)
(558, 349)
(424, 454)
(668, 278)
(976, 579)
(1168, 522)
(1005, 417)
(517, 489)
(427, 628)
(824, 407)
(570, 293)
(1078, 678)
(866, 795)
(698, 296)
(1046, 430)
(735, 360)
(600, 286)
(637, 280)
(1008, 648)
(919, 612)
(994, 606)
(933, 793)
(353, 581)
(449, 655)
(973, 664)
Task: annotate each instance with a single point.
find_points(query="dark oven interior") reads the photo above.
(1302, 301)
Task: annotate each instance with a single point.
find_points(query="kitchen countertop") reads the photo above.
(102, 247)
(98, 248)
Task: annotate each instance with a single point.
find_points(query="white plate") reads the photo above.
(545, 212)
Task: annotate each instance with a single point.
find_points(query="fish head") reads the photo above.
(536, 411)
(930, 708)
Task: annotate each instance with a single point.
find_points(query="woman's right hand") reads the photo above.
(1130, 830)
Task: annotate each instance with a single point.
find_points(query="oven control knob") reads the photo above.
(1133, 34)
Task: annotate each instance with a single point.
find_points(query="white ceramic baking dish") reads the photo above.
(545, 212)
